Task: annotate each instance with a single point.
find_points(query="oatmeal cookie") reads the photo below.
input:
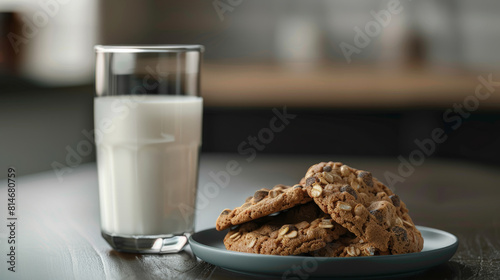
(301, 229)
(263, 203)
(364, 206)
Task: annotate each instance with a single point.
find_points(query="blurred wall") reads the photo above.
(41, 126)
(46, 72)
(55, 39)
(454, 33)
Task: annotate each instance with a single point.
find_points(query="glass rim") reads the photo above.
(147, 48)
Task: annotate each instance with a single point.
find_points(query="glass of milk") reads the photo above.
(148, 118)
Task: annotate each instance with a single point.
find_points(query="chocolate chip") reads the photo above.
(275, 192)
(225, 212)
(245, 205)
(350, 190)
(310, 181)
(395, 200)
(400, 233)
(366, 177)
(274, 227)
(259, 195)
(378, 214)
(327, 168)
(297, 186)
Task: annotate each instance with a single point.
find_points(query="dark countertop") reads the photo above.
(58, 234)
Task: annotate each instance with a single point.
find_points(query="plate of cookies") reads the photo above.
(336, 222)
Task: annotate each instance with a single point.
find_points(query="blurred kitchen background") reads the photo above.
(402, 73)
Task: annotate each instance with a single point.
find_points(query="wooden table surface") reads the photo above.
(58, 235)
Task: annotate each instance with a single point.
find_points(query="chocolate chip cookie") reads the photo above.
(301, 229)
(364, 206)
(263, 203)
(348, 245)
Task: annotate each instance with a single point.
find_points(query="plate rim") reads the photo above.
(400, 256)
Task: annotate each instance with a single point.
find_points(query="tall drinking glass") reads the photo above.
(148, 118)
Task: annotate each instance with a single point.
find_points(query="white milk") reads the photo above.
(147, 158)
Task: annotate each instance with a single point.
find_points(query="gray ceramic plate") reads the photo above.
(439, 247)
